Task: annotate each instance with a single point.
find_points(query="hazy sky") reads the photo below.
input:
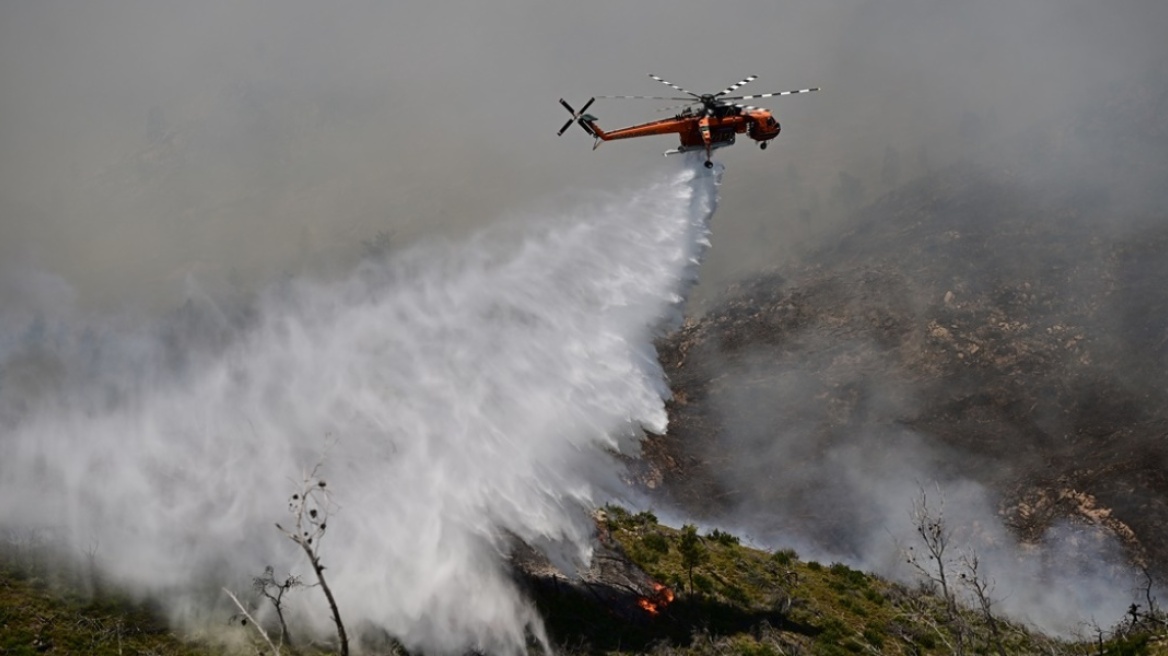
(298, 129)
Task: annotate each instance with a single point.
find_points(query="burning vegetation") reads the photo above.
(745, 600)
(661, 597)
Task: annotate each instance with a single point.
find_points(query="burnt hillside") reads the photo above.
(1002, 322)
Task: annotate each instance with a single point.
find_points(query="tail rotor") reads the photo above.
(576, 116)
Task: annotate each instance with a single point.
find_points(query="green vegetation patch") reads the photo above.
(37, 619)
(806, 607)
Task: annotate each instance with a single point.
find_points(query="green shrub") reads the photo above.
(874, 637)
(785, 556)
(831, 636)
(737, 595)
(645, 518)
(615, 517)
(851, 604)
(814, 566)
(644, 556)
(723, 538)
(745, 646)
(703, 583)
(656, 542)
(852, 576)
(1130, 646)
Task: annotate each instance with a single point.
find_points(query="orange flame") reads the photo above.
(663, 594)
(661, 597)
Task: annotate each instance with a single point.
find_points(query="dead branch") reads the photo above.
(248, 618)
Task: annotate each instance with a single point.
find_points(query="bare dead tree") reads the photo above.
(1155, 614)
(92, 572)
(981, 589)
(929, 524)
(1147, 588)
(1099, 637)
(932, 562)
(311, 508)
(274, 590)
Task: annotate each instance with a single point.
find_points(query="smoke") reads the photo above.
(457, 394)
(840, 403)
(832, 470)
(140, 142)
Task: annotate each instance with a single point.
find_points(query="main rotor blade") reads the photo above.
(736, 85)
(669, 109)
(674, 86)
(769, 95)
(644, 98)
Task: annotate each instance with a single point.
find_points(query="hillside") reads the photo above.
(738, 599)
(998, 322)
(1033, 348)
(640, 596)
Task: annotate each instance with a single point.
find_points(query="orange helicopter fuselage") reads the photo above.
(698, 131)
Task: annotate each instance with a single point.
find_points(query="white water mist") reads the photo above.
(468, 392)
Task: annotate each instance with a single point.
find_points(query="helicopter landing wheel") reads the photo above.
(709, 164)
(762, 145)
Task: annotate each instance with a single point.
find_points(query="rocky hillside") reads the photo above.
(1002, 322)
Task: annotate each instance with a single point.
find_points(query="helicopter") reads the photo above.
(705, 121)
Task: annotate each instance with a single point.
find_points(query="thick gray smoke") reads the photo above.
(459, 393)
(851, 501)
